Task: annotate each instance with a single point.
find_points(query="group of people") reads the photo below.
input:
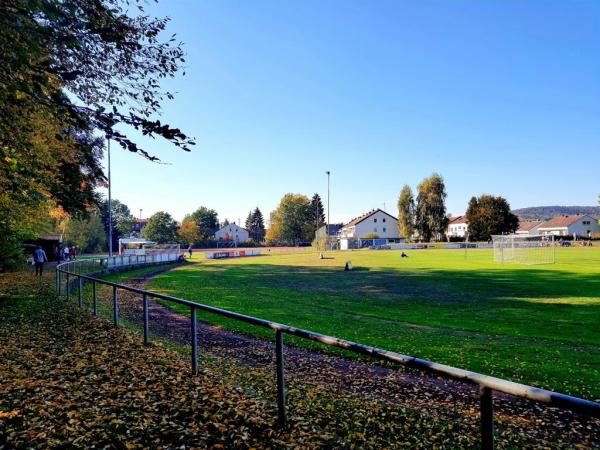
(65, 253)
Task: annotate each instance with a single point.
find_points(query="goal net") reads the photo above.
(524, 249)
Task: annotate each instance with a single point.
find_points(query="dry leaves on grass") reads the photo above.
(70, 380)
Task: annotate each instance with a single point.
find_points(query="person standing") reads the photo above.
(66, 253)
(190, 250)
(39, 258)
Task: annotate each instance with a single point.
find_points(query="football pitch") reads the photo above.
(538, 325)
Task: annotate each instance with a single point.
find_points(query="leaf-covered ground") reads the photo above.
(68, 379)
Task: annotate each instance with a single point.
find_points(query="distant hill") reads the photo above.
(547, 212)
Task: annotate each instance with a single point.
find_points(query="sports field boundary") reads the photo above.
(73, 274)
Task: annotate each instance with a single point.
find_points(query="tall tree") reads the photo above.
(161, 228)
(317, 213)
(86, 233)
(291, 219)
(273, 233)
(257, 229)
(123, 217)
(430, 215)
(207, 220)
(122, 220)
(188, 232)
(488, 215)
(315, 216)
(71, 68)
(248, 223)
(406, 212)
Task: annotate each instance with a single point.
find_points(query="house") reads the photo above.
(457, 227)
(529, 227)
(374, 223)
(232, 233)
(579, 226)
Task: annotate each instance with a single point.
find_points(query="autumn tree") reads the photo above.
(289, 222)
(40, 175)
(430, 213)
(406, 212)
(71, 68)
(188, 232)
(87, 233)
(273, 233)
(488, 215)
(161, 228)
(207, 221)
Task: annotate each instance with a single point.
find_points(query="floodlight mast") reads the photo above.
(328, 218)
(110, 246)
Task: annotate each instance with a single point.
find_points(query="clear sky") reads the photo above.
(498, 97)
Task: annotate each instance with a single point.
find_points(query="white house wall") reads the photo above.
(457, 229)
(236, 233)
(578, 228)
(384, 226)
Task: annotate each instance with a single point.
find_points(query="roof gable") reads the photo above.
(526, 225)
(457, 220)
(564, 221)
(232, 225)
(365, 216)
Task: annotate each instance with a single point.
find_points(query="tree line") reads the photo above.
(425, 218)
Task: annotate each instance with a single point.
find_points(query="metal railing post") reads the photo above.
(59, 282)
(80, 288)
(280, 377)
(194, 325)
(68, 288)
(487, 418)
(115, 306)
(94, 299)
(146, 333)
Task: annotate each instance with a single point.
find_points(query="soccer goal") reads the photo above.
(524, 249)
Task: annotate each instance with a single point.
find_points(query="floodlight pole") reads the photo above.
(109, 205)
(328, 218)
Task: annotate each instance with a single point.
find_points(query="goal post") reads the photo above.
(524, 249)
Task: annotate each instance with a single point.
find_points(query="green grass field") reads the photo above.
(535, 324)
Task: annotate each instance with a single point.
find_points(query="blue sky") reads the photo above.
(498, 97)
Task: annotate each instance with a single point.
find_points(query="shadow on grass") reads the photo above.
(438, 283)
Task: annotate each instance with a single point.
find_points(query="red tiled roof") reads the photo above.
(359, 219)
(526, 225)
(457, 219)
(561, 221)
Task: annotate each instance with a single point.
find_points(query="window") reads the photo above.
(384, 221)
(375, 220)
(586, 222)
(384, 229)
(375, 229)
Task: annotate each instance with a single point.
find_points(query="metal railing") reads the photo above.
(85, 269)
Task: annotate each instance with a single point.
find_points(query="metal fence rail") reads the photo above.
(86, 270)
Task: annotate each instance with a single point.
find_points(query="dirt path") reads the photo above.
(405, 388)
